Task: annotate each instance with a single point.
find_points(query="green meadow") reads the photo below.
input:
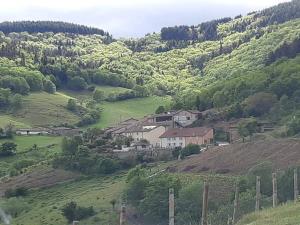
(114, 112)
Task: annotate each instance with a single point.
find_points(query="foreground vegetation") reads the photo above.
(287, 214)
(45, 206)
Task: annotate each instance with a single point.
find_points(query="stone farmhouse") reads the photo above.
(181, 137)
(172, 119)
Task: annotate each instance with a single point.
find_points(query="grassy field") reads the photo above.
(26, 142)
(114, 112)
(45, 109)
(6, 119)
(282, 215)
(47, 147)
(44, 206)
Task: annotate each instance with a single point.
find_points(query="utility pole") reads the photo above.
(296, 191)
(205, 204)
(274, 182)
(171, 207)
(257, 200)
(236, 203)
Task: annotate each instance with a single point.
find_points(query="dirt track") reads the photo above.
(239, 158)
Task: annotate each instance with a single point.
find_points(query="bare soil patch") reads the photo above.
(239, 158)
(39, 178)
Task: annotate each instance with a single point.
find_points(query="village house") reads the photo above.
(181, 137)
(149, 132)
(33, 131)
(164, 119)
(184, 118)
(172, 119)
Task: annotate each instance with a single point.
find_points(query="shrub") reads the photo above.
(190, 149)
(74, 212)
(8, 149)
(23, 164)
(71, 105)
(17, 192)
(176, 152)
(160, 109)
(49, 87)
(294, 126)
(77, 83)
(107, 166)
(98, 95)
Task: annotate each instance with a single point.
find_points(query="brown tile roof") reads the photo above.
(186, 132)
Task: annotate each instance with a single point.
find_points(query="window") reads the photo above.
(169, 144)
(174, 138)
(180, 143)
(180, 138)
(188, 118)
(137, 133)
(174, 144)
(169, 139)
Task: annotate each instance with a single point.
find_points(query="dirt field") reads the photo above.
(45, 177)
(239, 158)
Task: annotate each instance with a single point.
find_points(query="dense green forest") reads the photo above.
(48, 26)
(220, 63)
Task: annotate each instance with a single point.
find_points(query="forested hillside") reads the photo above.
(189, 63)
(49, 26)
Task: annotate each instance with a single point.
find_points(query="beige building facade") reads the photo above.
(151, 133)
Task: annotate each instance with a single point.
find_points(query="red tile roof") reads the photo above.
(186, 132)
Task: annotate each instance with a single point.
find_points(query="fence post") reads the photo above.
(257, 199)
(296, 192)
(229, 220)
(205, 204)
(236, 203)
(123, 215)
(274, 182)
(171, 207)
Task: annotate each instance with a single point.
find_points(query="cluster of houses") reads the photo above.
(166, 130)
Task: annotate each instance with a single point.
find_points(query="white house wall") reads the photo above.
(173, 142)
